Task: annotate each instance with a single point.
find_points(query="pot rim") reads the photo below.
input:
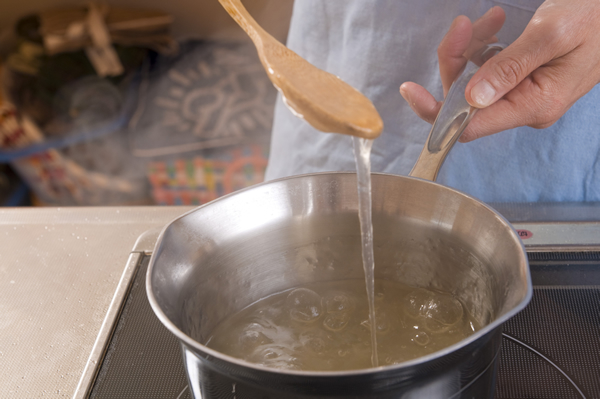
(325, 374)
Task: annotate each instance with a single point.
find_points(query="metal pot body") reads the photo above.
(221, 257)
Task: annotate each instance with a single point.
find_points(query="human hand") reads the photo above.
(534, 81)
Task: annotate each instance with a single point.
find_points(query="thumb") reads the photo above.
(503, 72)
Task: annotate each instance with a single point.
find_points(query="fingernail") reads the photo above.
(483, 93)
(488, 12)
(404, 94)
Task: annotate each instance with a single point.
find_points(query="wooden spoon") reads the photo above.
(322, 99)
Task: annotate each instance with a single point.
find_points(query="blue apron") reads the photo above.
(377, 45)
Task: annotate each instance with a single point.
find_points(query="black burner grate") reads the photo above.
(552, 349)
(143, 359)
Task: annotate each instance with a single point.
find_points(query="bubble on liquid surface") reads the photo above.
(336, 321)
(434, 326)
(276, 356)
(443, 310)
(338, 302)
(447, 310)
(421, 338)
(305, 328)
(315, 341)
(417, 302)
(253, 336)
(303, 305)
(382, 322)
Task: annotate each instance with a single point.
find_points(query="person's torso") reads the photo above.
(376, 46)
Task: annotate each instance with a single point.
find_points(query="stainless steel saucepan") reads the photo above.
(221, 257)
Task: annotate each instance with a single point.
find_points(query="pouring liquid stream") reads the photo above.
(362, 155)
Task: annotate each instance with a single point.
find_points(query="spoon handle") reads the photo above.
(239, 13)
(453, 118)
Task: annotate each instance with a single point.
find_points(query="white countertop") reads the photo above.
(59, 269)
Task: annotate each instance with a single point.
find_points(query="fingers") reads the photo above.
(485, 29)
(463, 39)
(451, 50)
(507, 69)
(538, 101)
(525, 105)
(534, 81)
(421, 102)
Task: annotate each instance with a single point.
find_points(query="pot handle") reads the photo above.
(453, 118)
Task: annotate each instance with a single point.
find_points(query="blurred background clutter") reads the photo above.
(132, 103)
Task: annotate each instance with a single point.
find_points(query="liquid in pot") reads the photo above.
(325, 326)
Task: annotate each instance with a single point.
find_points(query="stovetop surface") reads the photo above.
(550, 350)
(61, 267)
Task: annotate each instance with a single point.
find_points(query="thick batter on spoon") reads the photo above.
(322, 99)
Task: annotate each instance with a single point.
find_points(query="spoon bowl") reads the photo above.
(322, 99)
